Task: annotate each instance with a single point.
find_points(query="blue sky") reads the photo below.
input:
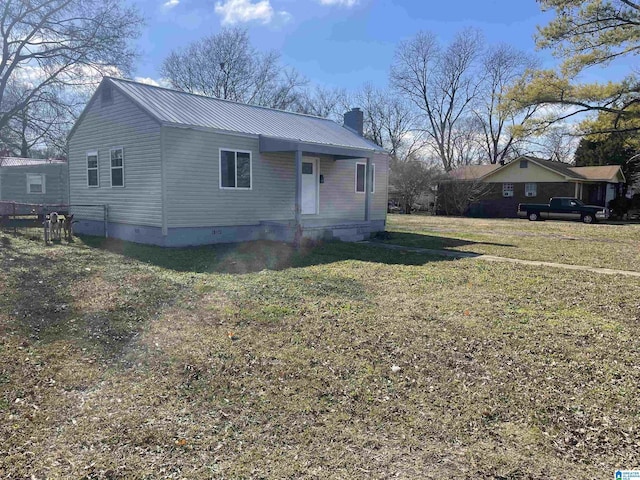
(336, 43)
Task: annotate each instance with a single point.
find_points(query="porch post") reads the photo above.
(367, 190)
(298, 206)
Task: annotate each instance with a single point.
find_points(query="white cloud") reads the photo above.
(242, 11)
(148, 81)
(340, 3)
(169, 4)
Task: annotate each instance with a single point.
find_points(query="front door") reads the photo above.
(309, 186)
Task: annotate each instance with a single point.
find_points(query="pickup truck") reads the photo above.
(562, 208)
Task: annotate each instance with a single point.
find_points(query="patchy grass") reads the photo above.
(614, 246)
(259, 361)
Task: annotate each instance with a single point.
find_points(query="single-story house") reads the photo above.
(178, 169)
(34, 181)
(528, 179)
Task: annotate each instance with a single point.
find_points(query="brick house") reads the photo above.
(534, 180)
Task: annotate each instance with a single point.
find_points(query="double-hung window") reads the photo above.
(507, 189)
(235, 169)
(361, 169)
(92, 169)
(530, 189)
(36, 183)
(117, 167)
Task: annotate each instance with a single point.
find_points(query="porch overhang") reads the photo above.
(278, 145)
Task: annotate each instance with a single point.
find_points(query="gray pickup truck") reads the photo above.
(563, 208)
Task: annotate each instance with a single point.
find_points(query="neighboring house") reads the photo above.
(529, 179)
(177, 169)
(34, 181)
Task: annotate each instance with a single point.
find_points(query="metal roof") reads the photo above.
(181, 108)
(27, 162)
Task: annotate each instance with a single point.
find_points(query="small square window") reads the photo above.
(524, 163)
(235, 169)
(307, 168)
(36, 183)
(530, 189)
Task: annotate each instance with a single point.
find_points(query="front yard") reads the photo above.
(339, 361)
(604, 245)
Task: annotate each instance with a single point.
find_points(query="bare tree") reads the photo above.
(42, 125)
(456, 195)
(440, 82)
(53, 45)
(410, 178)
(227, 66)
(499, 118)
(556, 142)
(323, 102)
(389, 122)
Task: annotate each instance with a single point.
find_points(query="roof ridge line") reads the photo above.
(234, 102)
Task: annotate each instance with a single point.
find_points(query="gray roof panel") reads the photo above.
(174, 107)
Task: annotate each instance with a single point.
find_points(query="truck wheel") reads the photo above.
(588, 218)
(533, 216)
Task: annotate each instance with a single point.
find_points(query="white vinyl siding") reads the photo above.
(117, 167)
(36, 183)
(93, 175)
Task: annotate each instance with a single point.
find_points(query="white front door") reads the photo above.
(309, 186)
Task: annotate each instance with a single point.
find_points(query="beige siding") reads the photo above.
(194, 197)
(338, 197)
(512, 173)
(119, 124)
(381, 195)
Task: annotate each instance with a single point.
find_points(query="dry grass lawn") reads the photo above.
(604, 245)
(258, 361)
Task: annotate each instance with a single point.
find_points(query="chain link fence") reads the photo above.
(30, 220)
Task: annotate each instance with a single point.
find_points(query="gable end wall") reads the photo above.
(119, 124)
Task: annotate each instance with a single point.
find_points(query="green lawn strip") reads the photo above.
(600, 245)
(505, 372)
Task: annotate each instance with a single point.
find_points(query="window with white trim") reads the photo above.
(507, 189)
(117, 167)
(530, 189)
(373, 178)
(92, 169)
(360, 177)
(361, 169)
(36, 183)
(235, 169)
